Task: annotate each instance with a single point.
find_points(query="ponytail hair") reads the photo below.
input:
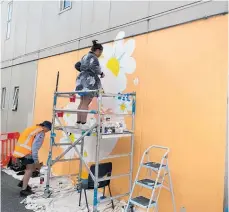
(96, 46)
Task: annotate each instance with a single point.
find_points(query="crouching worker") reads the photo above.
(26, 150)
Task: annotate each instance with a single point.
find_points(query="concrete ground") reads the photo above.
(10, 198)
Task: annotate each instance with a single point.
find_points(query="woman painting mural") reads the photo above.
(88, 79)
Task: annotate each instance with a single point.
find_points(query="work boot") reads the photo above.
(20, 184)
(25, 193)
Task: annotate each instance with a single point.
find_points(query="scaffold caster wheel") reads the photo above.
(129, 209)
(47, 193)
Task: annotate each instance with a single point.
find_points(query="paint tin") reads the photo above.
(73, 98)
(42, 180)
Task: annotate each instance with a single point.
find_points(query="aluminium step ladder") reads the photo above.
(161, 170)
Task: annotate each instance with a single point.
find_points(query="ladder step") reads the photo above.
(147, 183)
(142, 202)
(153, 165)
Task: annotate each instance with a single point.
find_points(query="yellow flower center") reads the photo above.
(72, 137)
(113, 65)
(85, 154)
(123, 107)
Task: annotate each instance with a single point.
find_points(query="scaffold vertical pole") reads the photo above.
(95, 202)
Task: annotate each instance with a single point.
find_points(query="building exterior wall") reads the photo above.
(5, 83)
(23, 76)
(43, 31)
(39, 31)
(181, 103)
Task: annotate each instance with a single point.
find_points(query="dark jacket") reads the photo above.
(90, 62)
(77, 66)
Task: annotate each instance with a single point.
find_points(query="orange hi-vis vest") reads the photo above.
(24, 145)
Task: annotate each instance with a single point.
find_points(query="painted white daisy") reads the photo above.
(123, 105)
(89, 141)
(116, 62)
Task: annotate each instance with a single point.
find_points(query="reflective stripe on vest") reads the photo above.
(24, 146)
(18, 154)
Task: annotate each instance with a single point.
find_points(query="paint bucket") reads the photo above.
(42, 179)
(60, 114)
(43, 174)
(73, 98)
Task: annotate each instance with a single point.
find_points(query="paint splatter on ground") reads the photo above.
(64, 197)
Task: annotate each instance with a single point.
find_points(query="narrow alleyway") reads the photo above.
(10, 198)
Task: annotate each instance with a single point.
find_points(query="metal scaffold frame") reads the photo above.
(80, 141)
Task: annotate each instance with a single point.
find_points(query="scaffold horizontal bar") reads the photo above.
(75, 92)
(117, 156)
(66, 160)
(69, 129)
(117, 135)
(118, 94)
(116, 114)
(113, 177)
(66, 127)
(103, 94)
(112, 198)
(75, 111)
(67, 96)
(64, 144)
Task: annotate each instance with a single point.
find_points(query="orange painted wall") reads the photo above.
(181, 103)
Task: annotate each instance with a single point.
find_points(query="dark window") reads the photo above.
(65, 5)
(3, 98)
(9, 19)
(15, 99)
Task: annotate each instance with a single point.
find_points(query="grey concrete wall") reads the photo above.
(39, 30)
(23, 76)
(5, 82)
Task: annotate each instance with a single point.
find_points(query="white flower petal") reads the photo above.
(109, 83)
(136, 81)
(113, 84)
(119, 45)
(129, 47)
(107, 51)
(119, 50)
(127, 65)
(121, 81)
(108, 103)
(120, 35)
(103, 62)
